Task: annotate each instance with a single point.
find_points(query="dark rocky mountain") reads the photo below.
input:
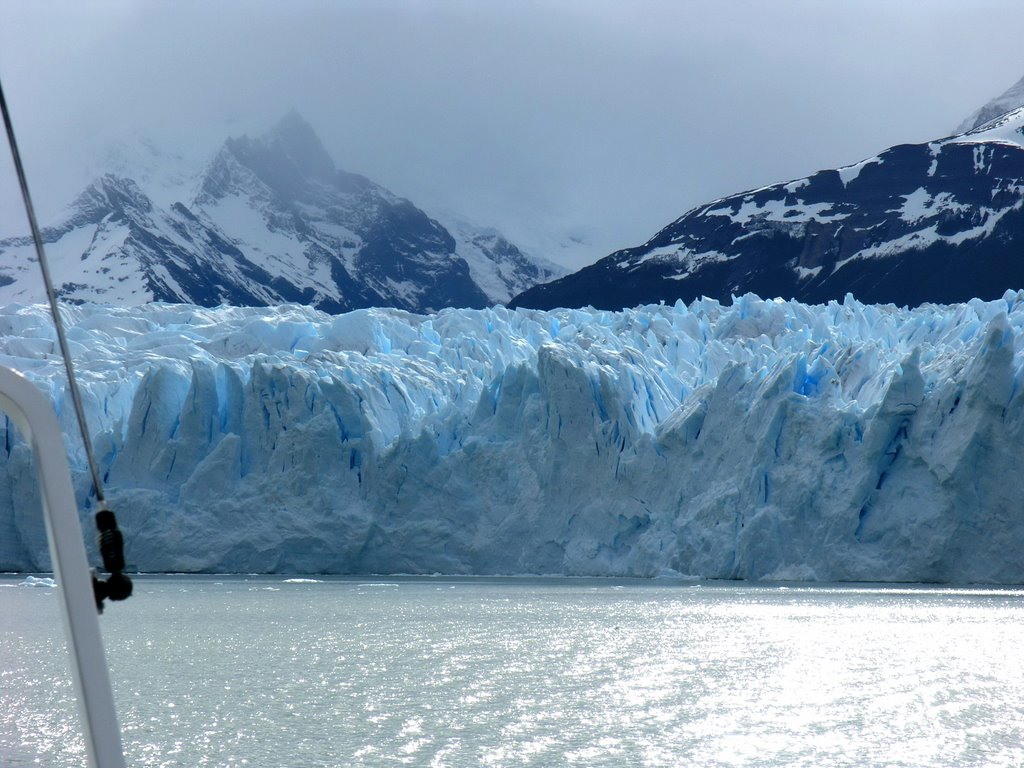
(270, 220)
(934, 222)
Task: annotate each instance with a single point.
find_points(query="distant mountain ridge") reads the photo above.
(270, 220)
(1009, 100)
(941, 221)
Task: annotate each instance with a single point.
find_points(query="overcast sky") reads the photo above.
(591, 119)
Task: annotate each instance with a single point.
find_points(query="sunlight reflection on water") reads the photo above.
(518, 672)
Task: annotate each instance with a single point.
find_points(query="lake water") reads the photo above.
(264, 672)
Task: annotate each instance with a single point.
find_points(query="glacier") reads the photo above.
(762, 439)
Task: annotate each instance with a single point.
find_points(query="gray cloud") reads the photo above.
(604, 120)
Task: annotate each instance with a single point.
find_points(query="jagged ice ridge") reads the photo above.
(761, 440)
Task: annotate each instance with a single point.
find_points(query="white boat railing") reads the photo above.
(34, 416)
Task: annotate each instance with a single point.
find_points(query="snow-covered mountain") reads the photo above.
(496, 265)
(164, 175)
(934, 222)
(267, 221)
(122, 249)
(1009, 100)
(763, 440)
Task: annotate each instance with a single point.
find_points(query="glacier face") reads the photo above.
(760, 440)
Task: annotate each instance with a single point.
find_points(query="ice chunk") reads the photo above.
(37, 581)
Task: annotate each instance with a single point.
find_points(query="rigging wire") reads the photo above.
(76, 397)
(117, 586)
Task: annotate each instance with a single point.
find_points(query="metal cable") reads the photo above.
(37, 237)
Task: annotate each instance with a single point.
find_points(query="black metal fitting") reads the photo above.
(117, 586)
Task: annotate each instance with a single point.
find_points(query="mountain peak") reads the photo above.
(294, 138)
(111, 193)
(271, 221)
(286, 159)
(1010, 99)
(292, 121)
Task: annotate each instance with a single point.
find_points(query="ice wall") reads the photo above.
(761, 440)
